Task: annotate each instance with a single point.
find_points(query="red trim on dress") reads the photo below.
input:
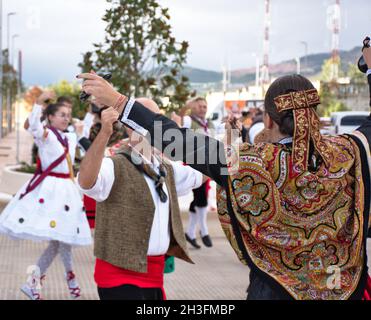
(90, 206)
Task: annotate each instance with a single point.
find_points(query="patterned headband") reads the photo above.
(307, 126)
(297, 100)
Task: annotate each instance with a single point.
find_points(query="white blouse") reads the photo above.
(50, 149)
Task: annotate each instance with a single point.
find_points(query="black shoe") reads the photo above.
(193, 242)
(207, 241)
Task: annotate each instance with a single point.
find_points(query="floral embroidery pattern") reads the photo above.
(250, 196)
(313, 222)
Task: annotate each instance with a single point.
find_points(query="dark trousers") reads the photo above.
(259, 289)
(130, 292)
(199, 198)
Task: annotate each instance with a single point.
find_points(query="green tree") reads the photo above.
(71, 90)
(356, 76)
(141, 53)
(10, 78)
(329, 89)
(329, 102)
(327, 69)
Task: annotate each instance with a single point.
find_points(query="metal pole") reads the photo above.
(18, 102)
(1, 69)
(8, 111)
(8, 32)
(257, 72)
(13, 51)
(298, 70)
(305, 44)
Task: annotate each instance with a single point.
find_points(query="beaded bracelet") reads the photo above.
(120, 102)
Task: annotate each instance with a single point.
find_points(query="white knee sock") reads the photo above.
(202, 220)
(192, 224)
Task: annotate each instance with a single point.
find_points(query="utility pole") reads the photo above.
(298, 67)
(13, 49)
(264, 77)
(8, 32)
(18, 102)
(305, 66)
(333, 23)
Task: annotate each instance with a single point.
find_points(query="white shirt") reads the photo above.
(187, 122)
(50, 149)
(88, 123)
(186, 179)
(254, 130)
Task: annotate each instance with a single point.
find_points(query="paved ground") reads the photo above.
(217, 273)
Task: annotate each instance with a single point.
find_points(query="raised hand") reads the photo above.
(79, 128)
(44, 97)
(104, 93)
(231, 122)
(108, 118)
(367, 56)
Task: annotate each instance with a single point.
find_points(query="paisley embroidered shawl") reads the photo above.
(300, 227)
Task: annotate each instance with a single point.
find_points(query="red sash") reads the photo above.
(367, 293)
(39, 175)
(109, 276)
(90, 206)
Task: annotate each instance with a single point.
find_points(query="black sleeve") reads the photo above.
(201, 152)
(85, 143)
(244, 134)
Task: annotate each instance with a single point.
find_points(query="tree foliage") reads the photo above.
(10, 78)
(141, 53)
(329, 102)
(71, 90)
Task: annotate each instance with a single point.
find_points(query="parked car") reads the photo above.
(327, 127)
(348, 121)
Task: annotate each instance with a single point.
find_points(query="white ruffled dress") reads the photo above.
(54, 210)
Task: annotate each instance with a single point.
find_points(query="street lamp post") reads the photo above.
(8, 32)
(18, 106)
(305, 44)
(9, 102)
(298, 67)
(13, 51)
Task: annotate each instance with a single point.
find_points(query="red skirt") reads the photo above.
(109, 276)
(90, 207)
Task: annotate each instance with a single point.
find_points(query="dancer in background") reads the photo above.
(198, 209)
(49, 207)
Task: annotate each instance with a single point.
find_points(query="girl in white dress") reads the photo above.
(49, 207)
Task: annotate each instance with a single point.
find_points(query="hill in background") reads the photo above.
(311, 66)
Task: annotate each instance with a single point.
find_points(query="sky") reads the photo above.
(55, 33)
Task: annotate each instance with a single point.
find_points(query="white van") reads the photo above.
(348, 121)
